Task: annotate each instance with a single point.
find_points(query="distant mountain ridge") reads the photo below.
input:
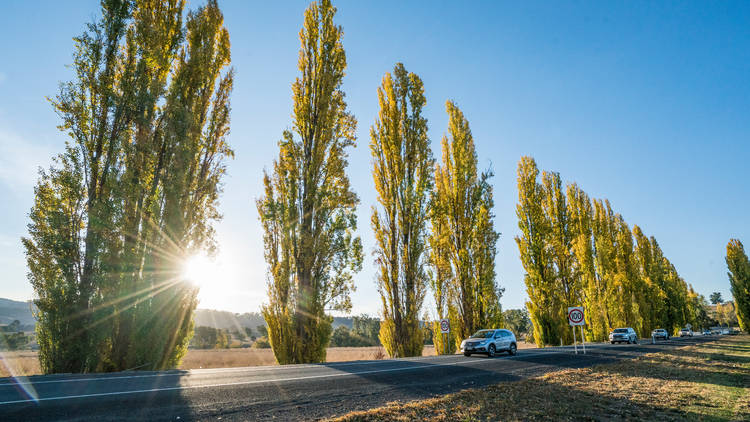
(234, 321)
(11, 310)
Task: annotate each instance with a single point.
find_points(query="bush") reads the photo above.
(210, 338)
(261, 343)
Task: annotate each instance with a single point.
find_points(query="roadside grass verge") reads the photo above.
(709, 382)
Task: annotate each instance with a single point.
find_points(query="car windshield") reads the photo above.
(483, 334)
(659, 330)
(621, 330)
(684, 329)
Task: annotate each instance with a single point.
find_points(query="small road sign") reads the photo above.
(445, 326)
(575, 315)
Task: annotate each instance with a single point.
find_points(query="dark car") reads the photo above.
(623, 335)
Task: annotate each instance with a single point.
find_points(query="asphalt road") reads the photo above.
(290, 392)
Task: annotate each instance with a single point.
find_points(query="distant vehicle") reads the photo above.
(686, 332)
(490, 342)
(734, 332)
(724, 331)
(706, 332)
(660, 333)
(623, 335)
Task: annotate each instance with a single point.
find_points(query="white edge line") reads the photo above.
(190, 387)
(545, 350)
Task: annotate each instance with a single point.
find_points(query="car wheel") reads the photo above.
(512, 350)
(629, 340)
(491, 351)
(635, 340)
(612, 342)
(467, 354)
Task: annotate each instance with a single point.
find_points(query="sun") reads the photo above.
(200, 270)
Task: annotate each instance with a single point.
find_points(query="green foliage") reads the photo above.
(261, 343)
(716, 298)
(402, 171)
(739, 280)
(366, 328)
(308, 209)
(210, 338)
(11, 336)
(518, 321)
(463, 242)
(136, 190)
(575, 253)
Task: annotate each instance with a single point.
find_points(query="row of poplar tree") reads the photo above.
(135, 190)
(577, 251)
(433, 223)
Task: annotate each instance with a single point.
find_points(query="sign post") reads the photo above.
(445, 328)
(575, 317)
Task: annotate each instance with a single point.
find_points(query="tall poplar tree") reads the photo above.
(463, 241)
(535, 254)
(739, 279)
(567, 289)
(136, 190)
(308, 210)
(592, 286)
(402, 172)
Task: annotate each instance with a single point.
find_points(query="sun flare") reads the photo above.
(201, 271)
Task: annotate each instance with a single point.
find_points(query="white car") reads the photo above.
(623, 335)
(490, 342)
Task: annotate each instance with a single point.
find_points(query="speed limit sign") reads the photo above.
(445, 326)
(575, 315)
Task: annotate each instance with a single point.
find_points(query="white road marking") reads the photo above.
(542, 351)
(345, 374)
(223, 370)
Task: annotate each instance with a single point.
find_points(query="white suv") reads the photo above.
(623, 335)
(490, 342)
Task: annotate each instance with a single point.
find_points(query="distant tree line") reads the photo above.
(210, 338)
(12, 336)
(577, 251)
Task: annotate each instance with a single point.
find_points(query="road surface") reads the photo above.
(293, 392)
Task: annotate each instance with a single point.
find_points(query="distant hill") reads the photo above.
(227, 320)
(231, 321)
(11, 310)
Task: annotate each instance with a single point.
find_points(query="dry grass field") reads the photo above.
(19, 363)
(227, 358)
(26, 363)
(710, 381)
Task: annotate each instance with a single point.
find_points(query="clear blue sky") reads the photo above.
(644, 103)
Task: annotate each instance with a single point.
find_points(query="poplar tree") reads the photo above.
(739, 279)
(592, 286)
(463, 241)
(402, 172)
(566, 290)
(135, 192)
(308, 209)
(535, 255)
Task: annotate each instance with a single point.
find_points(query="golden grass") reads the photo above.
(19, 363)
(710, 381)
(26, 362)
(228, 358)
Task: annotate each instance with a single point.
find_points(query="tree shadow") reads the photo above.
(120, 396)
